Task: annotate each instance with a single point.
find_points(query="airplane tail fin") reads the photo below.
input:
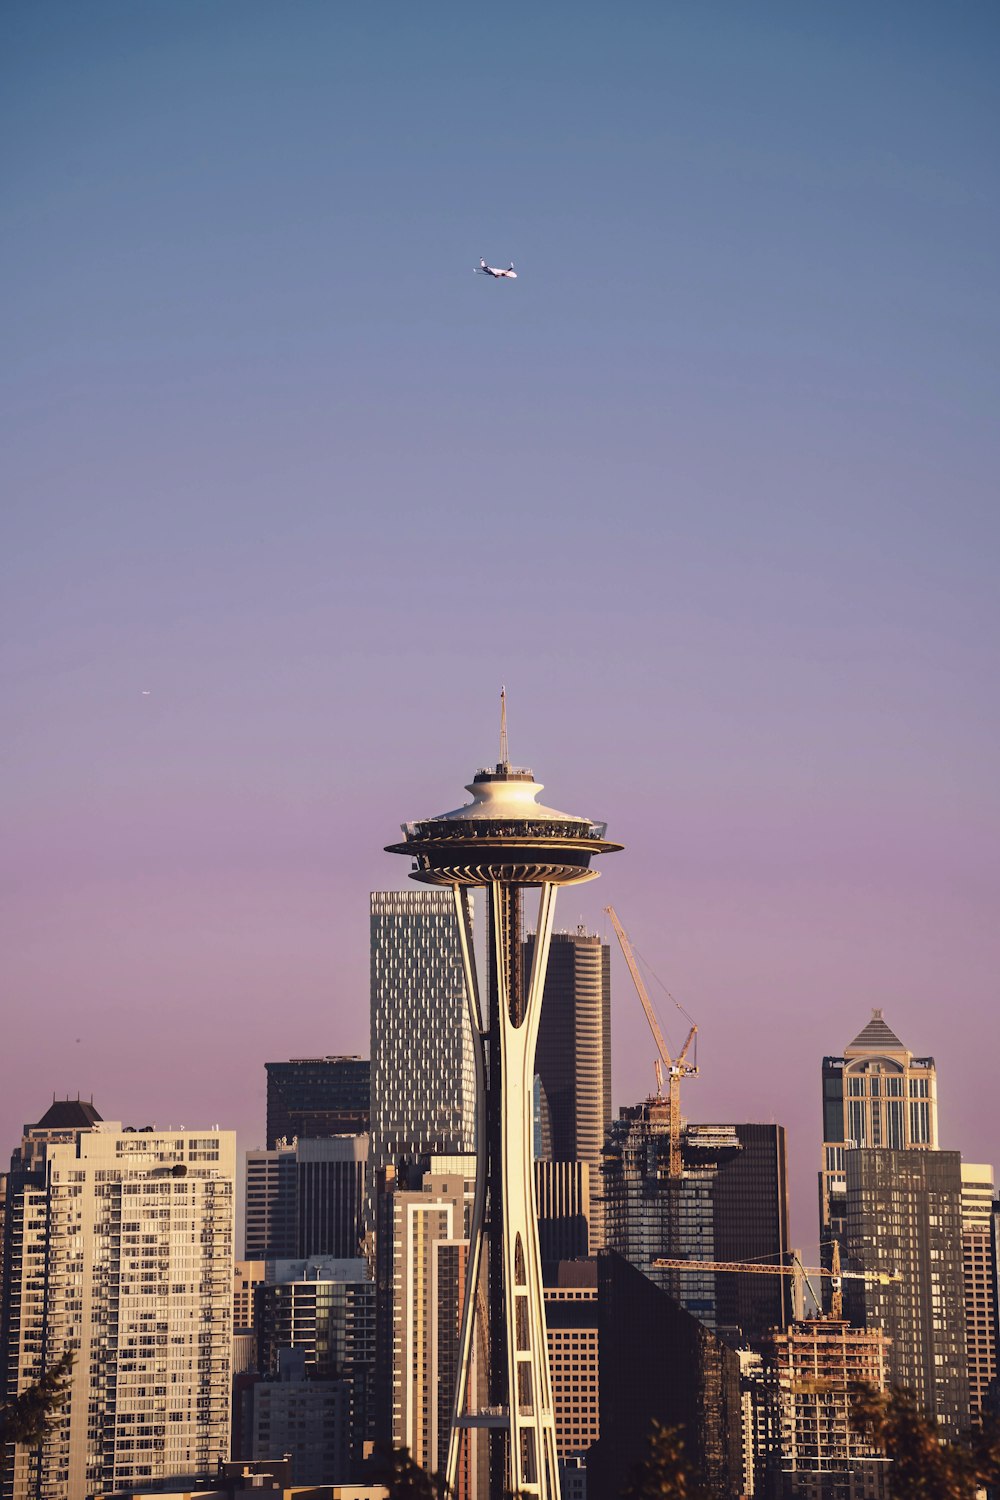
(511, 266)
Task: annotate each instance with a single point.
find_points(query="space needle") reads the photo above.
(505, 842)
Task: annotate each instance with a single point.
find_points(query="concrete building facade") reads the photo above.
(978, 1208)
(571, 1318)
(121, 1248)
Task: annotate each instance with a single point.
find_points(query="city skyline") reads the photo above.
(262, 415)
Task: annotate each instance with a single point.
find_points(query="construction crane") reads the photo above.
(677, 1068)
(754, 1268)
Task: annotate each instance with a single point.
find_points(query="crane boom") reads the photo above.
(676, 1068)
(754, 1268)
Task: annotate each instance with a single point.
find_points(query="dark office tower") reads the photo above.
(659, 1364)
(312, 1097)
(750, 1217)
(876, 1094)
(307, 1199)
(904, 1216)
(573, 1058)
(562, 1195)
(331, 1195)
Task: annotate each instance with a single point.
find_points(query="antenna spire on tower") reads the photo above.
(504, 756)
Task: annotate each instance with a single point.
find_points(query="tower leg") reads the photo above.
(463, 909)
(523, 1458)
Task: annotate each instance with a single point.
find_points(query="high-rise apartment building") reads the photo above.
(814, 1369)
(573, 1056)
(121, 1248)
(311, 1097)
(978, 1205)
(307, 1199)
(904, 1218)
(422, 1068)
(877, 1094)
(324, 1308)
(430, 1229)
(729, 1203)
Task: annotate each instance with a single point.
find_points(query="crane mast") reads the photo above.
(676, 1068)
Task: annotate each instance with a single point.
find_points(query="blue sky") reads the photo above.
(711, 487)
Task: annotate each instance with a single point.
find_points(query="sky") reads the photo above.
(290, 492)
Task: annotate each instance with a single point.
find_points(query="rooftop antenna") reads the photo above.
(504, 757)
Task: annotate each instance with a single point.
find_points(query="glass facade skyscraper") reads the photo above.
(904, 1218)
(423, 1086)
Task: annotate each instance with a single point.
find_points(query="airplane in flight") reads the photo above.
(496, 271)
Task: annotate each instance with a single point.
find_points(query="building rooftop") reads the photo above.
(876, 1036)
(69, 1114)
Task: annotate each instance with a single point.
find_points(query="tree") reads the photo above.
(406, 1480)
(28, 1417)
(666, 1474)
(924, 1465)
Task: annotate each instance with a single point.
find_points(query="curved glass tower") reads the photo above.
(505, 841)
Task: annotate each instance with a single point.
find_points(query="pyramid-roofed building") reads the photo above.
(69, 1114)
(876, 1094)
(875, 1036)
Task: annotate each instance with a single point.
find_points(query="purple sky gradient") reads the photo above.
(712, 487)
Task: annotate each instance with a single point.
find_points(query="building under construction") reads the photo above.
(815, 1367)
(729, 1201)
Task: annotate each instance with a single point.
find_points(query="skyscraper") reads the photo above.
(423, 1071)
(310, 1097)
(729, 1203)
(122, 1249)
(430, 1230)
(307, 1199)
(573, 1057)
(904, 1218)
(978, 1205)
(877, 1094)
(750, 1221)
